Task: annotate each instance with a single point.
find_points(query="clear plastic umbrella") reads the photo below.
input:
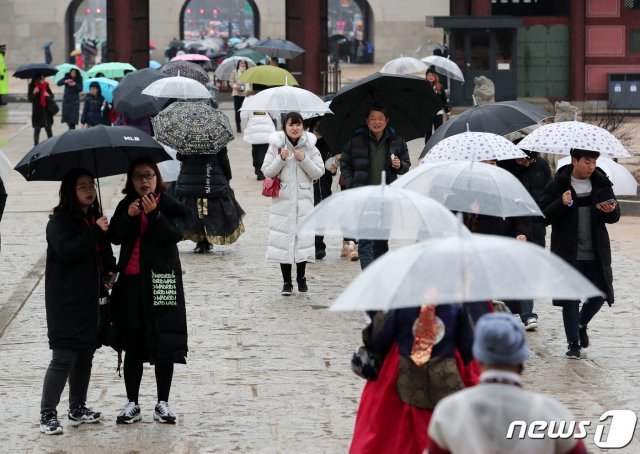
(169, 169)
(228, 65)
(177, 87)
(624, 183)
(463, 268)
(561, 138)
(444, 66)
(285, 99)
(471, 187)
(404, 65)
(5, 167)
(473, 146)
(380, 212)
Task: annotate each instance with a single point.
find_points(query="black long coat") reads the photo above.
(204, 175)
(40, 118)
(71, 100)
(564, 222)
(166, 327)
(73, 280)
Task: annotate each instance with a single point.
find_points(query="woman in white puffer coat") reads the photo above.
(293, 157)
(259, 127)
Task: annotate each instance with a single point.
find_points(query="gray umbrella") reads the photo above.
(128, 99)
(186, 69)
(278, 48)
(193, 128)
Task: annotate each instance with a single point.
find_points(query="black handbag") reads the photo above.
(52, 106)
(107, 332)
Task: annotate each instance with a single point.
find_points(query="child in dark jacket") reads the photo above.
(95, 107)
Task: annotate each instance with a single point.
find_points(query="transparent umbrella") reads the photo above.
(228, 65)
(404, 65)
(473, 146)
(380, 212)
(463, 268)
(6, 168)
(624, 183)
(177, 87)
(444, 66)
(471, 187)
(169, 169)
(285, 99)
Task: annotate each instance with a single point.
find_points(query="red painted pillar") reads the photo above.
(128, 32)
(481, 7)
(577, 52)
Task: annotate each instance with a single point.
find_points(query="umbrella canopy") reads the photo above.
(499, 118)
(5, 167)
(463, 268)
(285, 99)
(128, 97)
(107, 86)
(444, 66)
(111, 69)
(191, 57)
(624, 183)
(268, 75)
(175, 42)
(186, 69)
(250, 53)
(193, 128)
(471, 187)
(278, 48)
(169, 169)
(228, 65)
(102, 150)
(380, 212)
(155, 64)
(74, 52)
(410, 102)
(404, 65)
(473, 146)
(64, 69)
(35, 69)
(177, 87)
(561, 138)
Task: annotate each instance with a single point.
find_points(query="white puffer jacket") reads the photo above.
(259, 127)
(296, 198)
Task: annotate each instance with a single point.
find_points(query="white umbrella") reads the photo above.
(404, 65)
(169, 169)
(228, 65)
(285, 99)
(473, 146)
(561, 138)
(463, 268)
(624, 183)
(177, 87)
(471, 187)
(380, 212)
(5, 167)
(444, 66)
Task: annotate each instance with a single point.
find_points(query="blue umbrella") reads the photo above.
(106, 86)
(154, 64)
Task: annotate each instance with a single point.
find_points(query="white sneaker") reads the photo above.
(163, 413)
(130, 413)
(531, 324)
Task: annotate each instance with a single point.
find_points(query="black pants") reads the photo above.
(36, 133)
(286, 271)
(133, 377)
(67, 364)
(435, 124)
(237, 103)
(71, 125)
(258, 152)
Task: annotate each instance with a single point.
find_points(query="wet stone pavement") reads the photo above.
(265, 373)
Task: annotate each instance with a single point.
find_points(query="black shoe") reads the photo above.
(302, 285)
(573, 352)
(49, 423)
(531, 324)
(200, 248)
(584, 337)
(82, 414)
(287, 289)
(207, 246)
(260, 176)
(239, 130)
(320, 254)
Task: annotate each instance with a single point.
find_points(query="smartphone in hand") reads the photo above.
(110, 280)
(607, 202)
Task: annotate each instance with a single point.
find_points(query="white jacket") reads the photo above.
(296, 198)
(259, 127)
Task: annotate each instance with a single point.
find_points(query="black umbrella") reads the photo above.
(499, 118)
(128, 99)
(278, 48)
(410, 102)
(102, 150)
(186, 69)
(34, 70)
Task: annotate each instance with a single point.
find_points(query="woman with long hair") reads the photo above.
(72, 82)
(434, 82)
(79, 263)
(150, 316)
(238, 90)
(39, 94)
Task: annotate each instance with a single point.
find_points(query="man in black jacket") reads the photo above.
(367, 154)
(578, 203)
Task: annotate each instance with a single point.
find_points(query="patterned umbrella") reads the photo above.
(128, 97)
(561, 138)
(186, 69)
(193, 128)
(473, 146)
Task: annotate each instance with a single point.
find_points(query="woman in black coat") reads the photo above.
(38, 94)
(72, 82)
(203, 187)
(79, 260)
(150, 316)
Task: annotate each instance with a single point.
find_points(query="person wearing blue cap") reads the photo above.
(479, 419)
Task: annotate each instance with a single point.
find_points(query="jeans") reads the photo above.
(67, 364)
(369, 250)
(574, 317)
(526, 310)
